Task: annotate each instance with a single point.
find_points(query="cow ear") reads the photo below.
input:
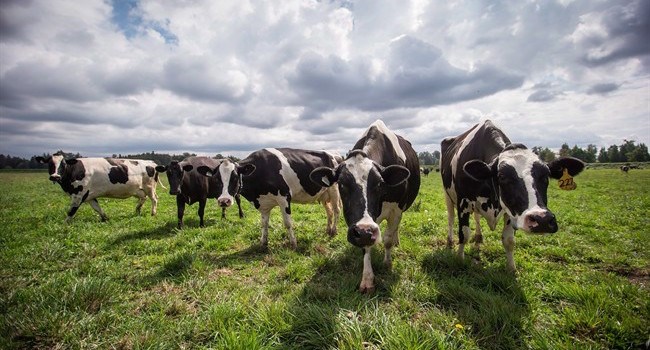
(206, 171)
(161, 168)
(394, 175)
(477, 170)
(323, 176)
(246, 170)
(188, 167)
(71, 161)
(573, 165)
(42, 160)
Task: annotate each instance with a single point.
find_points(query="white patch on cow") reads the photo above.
(225, 171)
(522, 161)
(360, 167)
(391, 137)
(298, 193)
(57, 159)
(489, 215)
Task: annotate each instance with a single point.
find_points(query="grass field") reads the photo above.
(135, 282)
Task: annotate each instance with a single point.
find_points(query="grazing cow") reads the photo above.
(378, 180)
(190, 187)
(86, 179)
(485, 174)
(625, 168)
(426, 171)
(273, 177)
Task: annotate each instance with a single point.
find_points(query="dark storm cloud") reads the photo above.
(416, 75)
(65, 81)
(627, 34)
(602, 89)
(12, 26)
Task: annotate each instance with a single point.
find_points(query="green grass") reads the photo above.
(135, 282)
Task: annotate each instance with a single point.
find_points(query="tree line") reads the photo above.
(9, 162)
(628, 151)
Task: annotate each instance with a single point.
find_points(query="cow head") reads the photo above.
(175, 172)
(56, 165)
(228, 178)
(521, 180)
(363, 186)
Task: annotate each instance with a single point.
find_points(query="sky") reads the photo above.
(123, 77)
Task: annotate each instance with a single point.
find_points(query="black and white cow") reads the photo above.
(485, 174)
(273, 177)
(378, 181)
(190, 187)
(86, 179)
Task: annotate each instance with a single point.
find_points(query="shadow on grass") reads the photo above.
(167, 230)
(331, 297)
(488, 302)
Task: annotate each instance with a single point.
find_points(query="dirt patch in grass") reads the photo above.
(638, 276)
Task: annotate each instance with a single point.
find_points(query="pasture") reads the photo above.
(135, 282)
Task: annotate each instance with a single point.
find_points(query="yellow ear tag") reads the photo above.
(566, 181)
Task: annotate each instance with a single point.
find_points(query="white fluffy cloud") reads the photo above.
(130, 76)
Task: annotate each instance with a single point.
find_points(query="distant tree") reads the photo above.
(565, 151)
(590, 154)
(603, 157)
(436, 157)
(614, 155)
(426, 158)
(544, 154)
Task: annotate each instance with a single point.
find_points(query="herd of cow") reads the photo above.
(483, 174)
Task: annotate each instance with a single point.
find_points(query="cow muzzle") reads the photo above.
(540, 222)
(55, 178)
(174, 191)
(224, 202)
(363, 235)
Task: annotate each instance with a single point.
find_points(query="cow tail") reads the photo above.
(157, 179)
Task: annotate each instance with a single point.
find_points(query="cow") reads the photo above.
(378, 180)
(86, 179)
(426, 171)
(273, 177)
(190, 187)
(485, 174)
(625, 168)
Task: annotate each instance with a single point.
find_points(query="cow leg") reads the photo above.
(450, 222)
(76, 202)
(288, 224)
(508, 240)
(464, 232)
(95, 205)
(391, 236)
(478, 236)
(265, 216)
(330, 202)
(180, 207)
(154, 200)
(142, 197)
(368, 277)
(202, 211)
(238, 200)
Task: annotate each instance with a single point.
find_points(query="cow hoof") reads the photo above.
(369, 289)
(331, 232)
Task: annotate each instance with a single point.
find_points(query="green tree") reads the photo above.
(565, 151)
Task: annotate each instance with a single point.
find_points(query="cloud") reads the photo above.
(413, 75)
(602, 88)
(102, 77)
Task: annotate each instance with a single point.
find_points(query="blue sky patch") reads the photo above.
(127, 15)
